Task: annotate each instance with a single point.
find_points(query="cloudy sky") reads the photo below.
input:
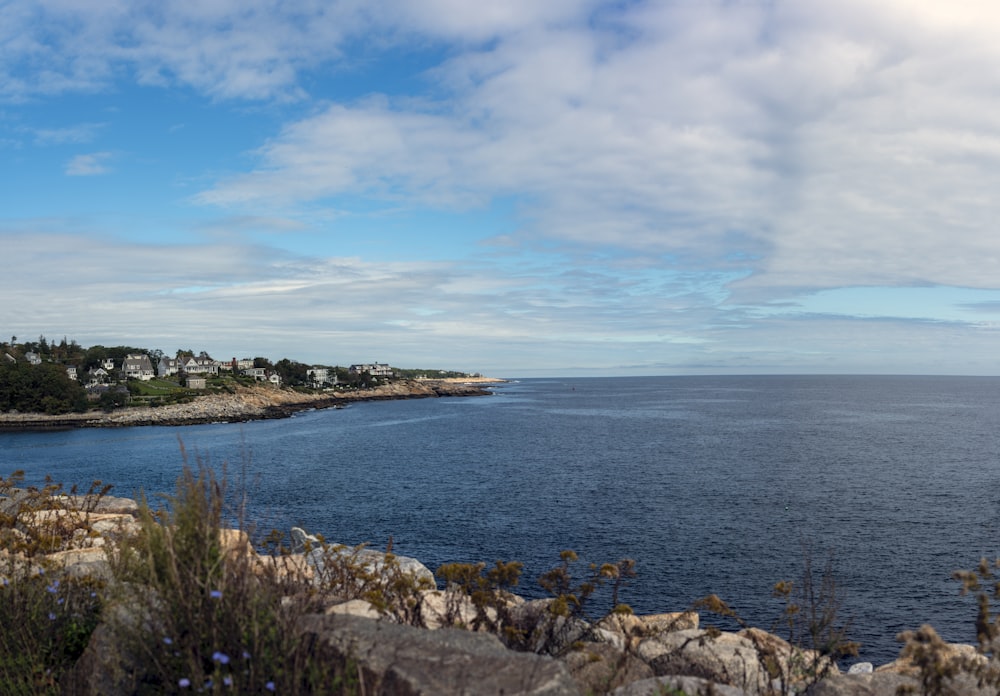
(520, 188)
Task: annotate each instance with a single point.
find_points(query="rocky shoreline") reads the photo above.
(515, 646)
(243, 404)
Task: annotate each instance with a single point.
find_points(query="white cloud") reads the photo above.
(91, 164)
(834, 146)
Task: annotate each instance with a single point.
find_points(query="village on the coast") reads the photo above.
(130, 385)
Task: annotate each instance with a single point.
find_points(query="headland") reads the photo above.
(245, 403)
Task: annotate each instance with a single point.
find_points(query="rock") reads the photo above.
(450, 608)
(723, 658)
(875, 684)
(546, 633)
(599, 667)
(393, 659)
(786, 664)
(673, 621)
(861, 668)
(323, 557)
(91, 562)
(99, 504)
(354, 607)
(689, 686)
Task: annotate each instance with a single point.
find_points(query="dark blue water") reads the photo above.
(713, 484)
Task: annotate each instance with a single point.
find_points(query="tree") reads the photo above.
(44, 388)
(293, 374)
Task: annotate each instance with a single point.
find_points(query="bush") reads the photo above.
(202, 611)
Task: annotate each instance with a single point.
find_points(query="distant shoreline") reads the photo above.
(244, 404)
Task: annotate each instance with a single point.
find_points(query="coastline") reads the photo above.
(256, 402)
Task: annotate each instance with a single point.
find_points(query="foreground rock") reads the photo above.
(401, 660)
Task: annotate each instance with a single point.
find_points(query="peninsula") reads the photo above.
(246, 402)
(55, 386)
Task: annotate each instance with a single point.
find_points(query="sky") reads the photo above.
(569, 187)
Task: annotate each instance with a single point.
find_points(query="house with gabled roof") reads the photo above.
(138, 366)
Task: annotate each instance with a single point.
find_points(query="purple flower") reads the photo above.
(246, 655)
(52, 616)
(228, 681)
(168, 641)
(220, 657)
(53, 588)
(269, 686)
(215, 594)
(184, 682)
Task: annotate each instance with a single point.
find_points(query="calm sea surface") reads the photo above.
(713, 484)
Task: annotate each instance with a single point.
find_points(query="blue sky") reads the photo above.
(568, 187)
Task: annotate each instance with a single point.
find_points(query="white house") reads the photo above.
(98, 375)
(259, 373)
(320, 376)
(373, 369)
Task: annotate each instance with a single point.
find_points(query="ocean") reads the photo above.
(714, 485)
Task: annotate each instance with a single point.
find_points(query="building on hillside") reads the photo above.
(71, 372)
(275, 379)
(138, 366)
(108, 364)
(199, 366)
(373, 369)
(167, 366)
(320, 377)
(258, 373)
(33, 358)
(196, 382)
(97, 375)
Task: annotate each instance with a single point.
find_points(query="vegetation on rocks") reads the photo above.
(101, 595)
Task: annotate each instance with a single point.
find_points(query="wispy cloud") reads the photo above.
(92, 164)
(80, 133)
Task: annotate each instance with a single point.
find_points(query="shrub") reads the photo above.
(47, 619)
(202, 611)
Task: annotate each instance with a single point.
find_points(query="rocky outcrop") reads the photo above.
(422, 652)
(401, 660)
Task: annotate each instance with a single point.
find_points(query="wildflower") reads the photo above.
(220, 657)
(246, 655)
(184, 682)
(52, 616)
(215, 594)
(53, 588)
(269, 686)
(168, 641)
(228, 681)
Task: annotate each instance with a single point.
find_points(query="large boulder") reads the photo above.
(398, 660)
(723, 658)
